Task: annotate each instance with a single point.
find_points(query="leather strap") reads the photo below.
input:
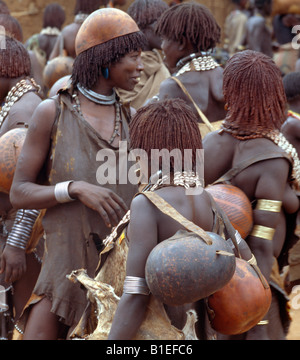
(202, 116)
(167, 209)
(226, 222)
(248, 162)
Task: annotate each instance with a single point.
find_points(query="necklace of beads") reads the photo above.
(116, 131)
(204, 62)
(186, 179)
(279, 139)
(53, 31)
(15, 94)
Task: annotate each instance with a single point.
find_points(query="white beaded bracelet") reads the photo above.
(61, 192)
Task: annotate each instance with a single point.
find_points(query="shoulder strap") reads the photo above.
(167, 209)
(125, 117)
(202, 116)
(57, 115)
(224, 220)
(246, 163)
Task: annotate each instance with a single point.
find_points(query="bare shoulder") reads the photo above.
(219, 149)
(215, 141)
(21, 112)
(143, 222)
(141, 206)
(169, 89)
(26, 106)
(291, 126)
(44, 116)
(70, 29)
(218, 72)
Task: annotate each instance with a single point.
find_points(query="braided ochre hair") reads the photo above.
(168, 124)
(254, 95)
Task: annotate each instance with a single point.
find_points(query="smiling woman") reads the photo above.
(106, 41)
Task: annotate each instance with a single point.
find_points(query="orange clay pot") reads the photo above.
(60, 84)
(11, 144)
(241, 303)
(234, 202)
(56, 69)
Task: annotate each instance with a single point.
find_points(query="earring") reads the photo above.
(105, 72)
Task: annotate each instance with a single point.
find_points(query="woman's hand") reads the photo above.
(107, 203)
(12, 263)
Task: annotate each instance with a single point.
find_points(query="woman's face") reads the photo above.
(126, 73)
(172, 53)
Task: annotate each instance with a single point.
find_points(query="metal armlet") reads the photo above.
(135, 285)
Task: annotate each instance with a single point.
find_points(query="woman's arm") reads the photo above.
(142, 235)
(26, 193)
(270, 185)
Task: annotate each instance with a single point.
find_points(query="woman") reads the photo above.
(190, 33)
(148, 226)
(251, 153)
(258, 32)
(235, 27)
(59, 167)
(43, 43)
(145, 13)
(19, 96)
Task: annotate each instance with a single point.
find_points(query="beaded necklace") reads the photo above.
(197, 62)
(116, 131)
(52, 31)
(186, 179)
(278, 138)
(15, 94)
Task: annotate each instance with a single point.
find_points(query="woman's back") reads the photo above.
(205, 88)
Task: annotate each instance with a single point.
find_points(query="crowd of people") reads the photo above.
(90, 199)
